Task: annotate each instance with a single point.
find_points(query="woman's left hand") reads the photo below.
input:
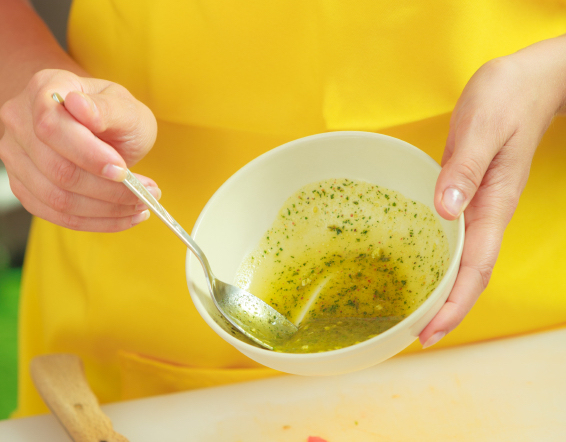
(495, 129)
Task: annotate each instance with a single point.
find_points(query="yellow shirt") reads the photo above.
(229, 80)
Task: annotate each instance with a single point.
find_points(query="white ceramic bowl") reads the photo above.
(243, 209)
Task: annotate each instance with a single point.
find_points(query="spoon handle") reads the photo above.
(142, 193)
(60, 380)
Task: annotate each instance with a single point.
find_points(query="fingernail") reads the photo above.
(140, 207)
(136, 219)
(155, 191)
(453, 201)
(434, 339)
(114, 173)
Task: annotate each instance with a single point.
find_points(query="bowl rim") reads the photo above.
(362, 346)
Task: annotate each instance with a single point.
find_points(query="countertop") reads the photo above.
(506, 390)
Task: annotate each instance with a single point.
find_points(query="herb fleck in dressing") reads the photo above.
(346, 260)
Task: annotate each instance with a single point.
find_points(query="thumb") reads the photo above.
(463, 172)
(117, 118)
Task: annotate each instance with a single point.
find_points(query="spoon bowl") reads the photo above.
(247, 313)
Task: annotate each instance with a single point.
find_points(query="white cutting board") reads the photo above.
(508, 390)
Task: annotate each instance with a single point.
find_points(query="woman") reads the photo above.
(226, 82)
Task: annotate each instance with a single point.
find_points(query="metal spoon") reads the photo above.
(249, 314)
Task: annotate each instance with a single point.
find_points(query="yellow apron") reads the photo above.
(229, 80)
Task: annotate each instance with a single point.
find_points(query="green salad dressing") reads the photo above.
(346, 260)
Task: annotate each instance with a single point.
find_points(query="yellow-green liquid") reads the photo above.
(346, 260)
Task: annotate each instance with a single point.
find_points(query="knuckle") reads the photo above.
(119, 210)
(8, 114)
(42, 78)
(45, 123)
(469, 172)
(17, 190)
(505, 188)
(28, 207)
(492, 67)
(483, 126)
(122, 195)
(66, 174)
(474, 123)
(118, 90)
(3, 152)
(60, 200)
(71, 221)
(21, 193)
(484, 272)
(503, 67)
(130, 115)
(45, 116)
(457, 313)
(505, 194)
(39, 79)
(61, 74)
(150, 129)
(513, 198)
(119, 224)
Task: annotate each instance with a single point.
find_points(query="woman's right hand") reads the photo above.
(66, 163)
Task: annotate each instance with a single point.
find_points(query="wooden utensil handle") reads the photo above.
(62, 384)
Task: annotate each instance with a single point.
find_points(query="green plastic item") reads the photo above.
(9, 298)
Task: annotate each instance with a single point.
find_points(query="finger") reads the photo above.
(463, 172)
(116, 117)
(56, 128)
(478, 259)
(37, 208)
(108, 110)
(487, 217)
(64, 201)
(68, 176)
